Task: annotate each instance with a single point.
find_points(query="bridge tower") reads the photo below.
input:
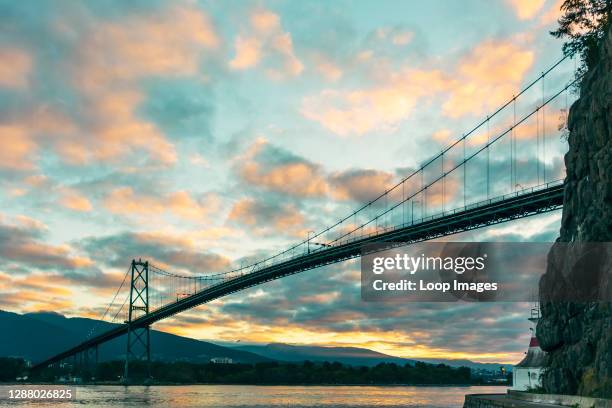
(138, 338)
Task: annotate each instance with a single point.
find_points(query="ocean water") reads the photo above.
(209, 396)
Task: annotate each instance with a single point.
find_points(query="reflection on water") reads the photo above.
(208, 396)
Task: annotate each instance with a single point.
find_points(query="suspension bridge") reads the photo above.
(491, 174)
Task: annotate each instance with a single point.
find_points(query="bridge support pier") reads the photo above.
(138, 338)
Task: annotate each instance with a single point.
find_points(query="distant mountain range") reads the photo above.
(35, 336)
(345, 355)
(351, 355)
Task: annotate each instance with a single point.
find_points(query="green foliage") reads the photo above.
(11, 368)
(536, 390)
(285, 373)
(584, 23)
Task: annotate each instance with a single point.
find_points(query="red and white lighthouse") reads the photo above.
(526, 374)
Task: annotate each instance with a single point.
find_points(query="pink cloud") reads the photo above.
(15, 68)
(330, 71)
(248, 53)
(19, 242)
(75, 201)
(378, 108)
(266, 42)
(111, 60)
(482, 79)
(17, 148)
(126, 202)
(297, 178)
(526, 9)
(488, 76)
(360, 185)
(169, 43)
(264, 219)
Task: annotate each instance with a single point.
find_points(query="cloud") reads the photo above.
(443, 136)
(274, 169)
(379, 108)
(17, 149)
(268, 218)
(126, 202)
(485, 77)
(20, 241)
(488, 76)
(360, 185)
(266, 42)
(552, 14)
(15, 68)
(55, 291)
(248, 53)
(402, 38)
(108, 60)
(73, 200)
(330, 71)
(168, 42)
(113, 56)
(165, 251)
(526, 9)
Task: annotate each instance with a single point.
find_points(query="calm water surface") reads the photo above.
(208, 396)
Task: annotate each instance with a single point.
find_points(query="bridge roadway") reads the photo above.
(521, 204)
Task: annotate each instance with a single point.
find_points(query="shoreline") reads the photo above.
(106, 383)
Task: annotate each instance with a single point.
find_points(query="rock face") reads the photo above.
(578, 336)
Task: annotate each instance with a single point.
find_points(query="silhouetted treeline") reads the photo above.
(275, 373)
(11, 368)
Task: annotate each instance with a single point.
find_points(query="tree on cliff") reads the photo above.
(585, 23)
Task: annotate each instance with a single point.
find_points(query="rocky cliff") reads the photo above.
(578, 335)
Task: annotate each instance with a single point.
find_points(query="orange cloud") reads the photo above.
(483, 79)
(22, 134)
(124, 201)
(19, 242)
(526, 9)
(361, 186)
(248, 53)
(379, 108)
(73, 200)
(110, 60)
(299, 179)
(552, 14)
(442, 136)
(265, 21)
(487, 77)
(16, 148)
(266, 40)
(15, 68)
(169, 43)
(329, 70)
(296, 177)
(266, 219)
(402, 38)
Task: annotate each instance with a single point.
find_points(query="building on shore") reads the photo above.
(221, 360)
(527, 374)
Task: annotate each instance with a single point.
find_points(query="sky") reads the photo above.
(200, 135)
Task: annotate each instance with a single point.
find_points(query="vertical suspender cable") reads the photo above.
(543, 133)
(443, 184)
(515, 179)
(538, 144)
(488, 158)
(464, 171)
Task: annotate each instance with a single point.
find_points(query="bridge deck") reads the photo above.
(517, 205)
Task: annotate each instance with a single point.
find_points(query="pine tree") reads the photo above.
(584, 23)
